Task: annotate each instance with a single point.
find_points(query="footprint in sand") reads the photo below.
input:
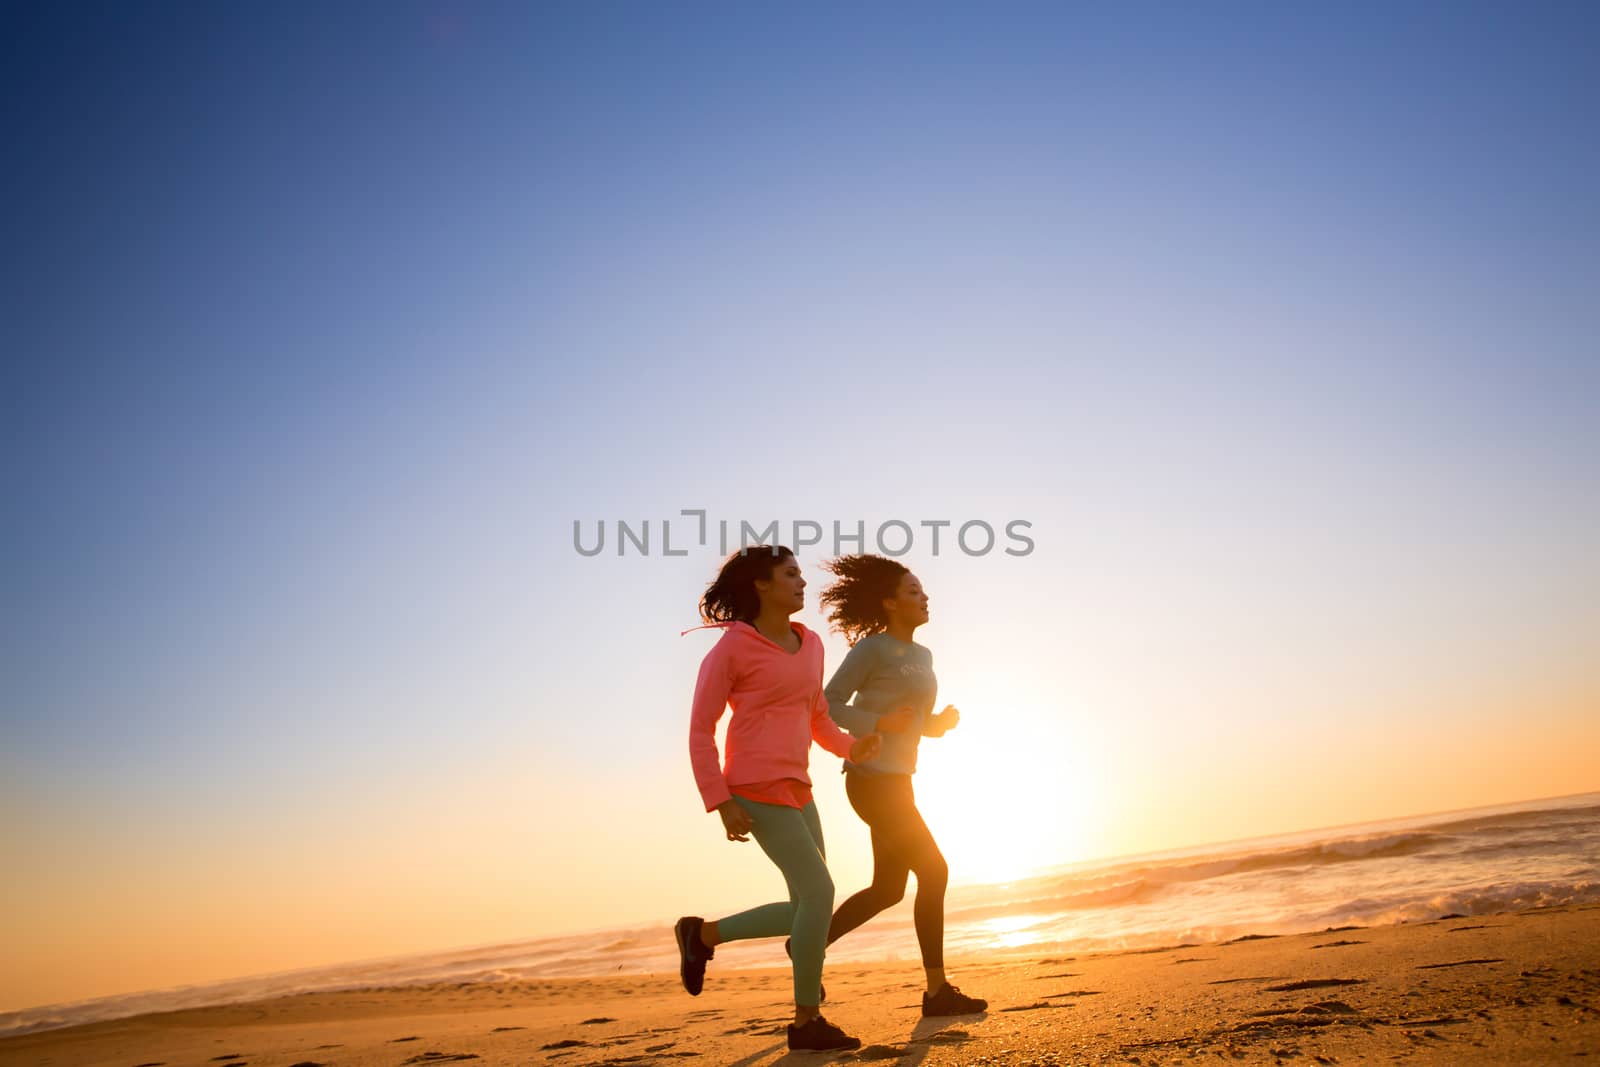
(1154, 951)
(1312, 1016)
(1318, 1014)
(570, 1042)
(943, 1037)
(597, 1020)
(949, 1037)
(1327, 1007)
(1035, 1007)
(880, 1052)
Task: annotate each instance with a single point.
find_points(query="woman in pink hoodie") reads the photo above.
(769, 671)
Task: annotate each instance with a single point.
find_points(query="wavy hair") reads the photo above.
(854, 602)
(732, 596)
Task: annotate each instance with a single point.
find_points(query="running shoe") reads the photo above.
(951, 1001)
(819, 1035)
(822, 990)
(692, 953)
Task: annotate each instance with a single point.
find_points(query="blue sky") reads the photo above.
(324, 324)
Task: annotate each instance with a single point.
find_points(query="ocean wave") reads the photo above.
(1487, 900)
(1585, 814)
(1118, 886)
(1528, 842)
(1143, 884)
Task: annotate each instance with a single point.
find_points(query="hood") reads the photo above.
(744, 630)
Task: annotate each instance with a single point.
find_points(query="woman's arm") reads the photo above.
(710, 701)
(826, 732)
(846, 682)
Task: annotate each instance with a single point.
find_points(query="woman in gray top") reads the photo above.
(877, 604)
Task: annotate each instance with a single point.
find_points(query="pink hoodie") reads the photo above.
(778, 710)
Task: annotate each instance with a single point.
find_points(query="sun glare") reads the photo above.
(1008, 796)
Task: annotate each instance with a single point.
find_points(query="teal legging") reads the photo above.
(792, 839)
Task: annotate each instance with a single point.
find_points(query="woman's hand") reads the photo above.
(866, 750)
(897, 721)
(946, 720)
(735, 820)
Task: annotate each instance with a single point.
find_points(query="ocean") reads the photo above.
(1532, 854)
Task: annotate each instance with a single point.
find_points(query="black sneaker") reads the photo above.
(822, 990)
(692, 953)
(819, 1035)
(951, 1001)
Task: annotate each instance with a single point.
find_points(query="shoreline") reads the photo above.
(1085, 908)
(1518, 986)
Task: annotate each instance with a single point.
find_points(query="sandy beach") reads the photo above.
(1518, 988)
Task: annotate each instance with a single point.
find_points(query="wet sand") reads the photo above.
(1515, 988)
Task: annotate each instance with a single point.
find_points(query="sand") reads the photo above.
(1517, 988)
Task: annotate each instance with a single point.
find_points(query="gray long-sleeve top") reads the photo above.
(884, 673)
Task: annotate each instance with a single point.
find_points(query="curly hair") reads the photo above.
(855, 601)
(732, 596)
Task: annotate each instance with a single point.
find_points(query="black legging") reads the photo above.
(901, 844)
